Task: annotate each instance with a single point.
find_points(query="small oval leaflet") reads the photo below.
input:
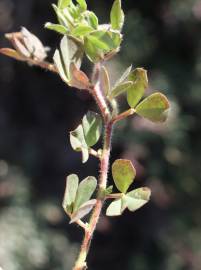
(154, 108)
(92, 127)
(123, 173)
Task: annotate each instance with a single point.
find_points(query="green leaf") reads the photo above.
(76, 51)
(105, 80)
(123, 174)
(65, 51)
(154, 108)
(117, 15)
(57, 28)
(92, 127)
(85, 190)
(121, 88)
(78, 143)
(137, 89)
(70, 191)
(92, 19)
(92, 52)
(123, 77)
(58, 61)
(61, 18)
(84, 210)
(69, 16)
(132, 200)
(98, 41)
(137, 198)
(81, 30)
(82, 4)
(69, 52)
(63, 3)
(109, 190)
(114, 209)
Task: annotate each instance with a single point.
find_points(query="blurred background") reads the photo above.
(37, 111)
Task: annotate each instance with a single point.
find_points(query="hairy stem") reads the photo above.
(104, 166)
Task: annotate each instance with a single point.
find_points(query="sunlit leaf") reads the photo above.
(92, 52)
(154, 108)
(92, 127)
(57, 28)
(114, 209)
(81, 30)
(61, 18)
(137, 198)
(63, 3)
(97, 39)
(70, 191)
(123, 174)
(60, 66)
(78, 142)
(84, 210)
(92, 19)
(82, 4)
(137, 89)
(117, 15)
(100, 43)
(69, 52)
(85, 190)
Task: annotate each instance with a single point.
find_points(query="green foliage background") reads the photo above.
(37, 111)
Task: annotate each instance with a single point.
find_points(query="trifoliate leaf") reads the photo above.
(117, 15)
(78, 142)
(57, 28)
(132, 200)
(70, 191)
(114, 209)
(137, 89)
(92, 127)
(84, 210)
(154, 108)
(123, 174)
(85, 190)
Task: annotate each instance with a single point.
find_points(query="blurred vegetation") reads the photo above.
(36, 114)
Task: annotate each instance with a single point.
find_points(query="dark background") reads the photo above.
(37, 111)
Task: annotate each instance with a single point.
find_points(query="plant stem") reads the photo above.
(104, 166)
(123, 115)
